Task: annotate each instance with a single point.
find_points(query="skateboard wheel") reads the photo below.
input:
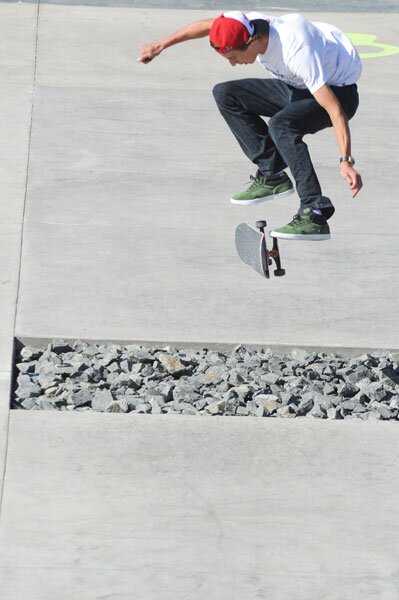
(260, 224)
(269, 260)
(279, 272)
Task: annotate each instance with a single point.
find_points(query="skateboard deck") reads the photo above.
(251, 247)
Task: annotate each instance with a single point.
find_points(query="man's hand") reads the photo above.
(352, 177)
(149, 51)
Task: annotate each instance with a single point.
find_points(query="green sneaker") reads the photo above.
(264, 188)
(303, 227)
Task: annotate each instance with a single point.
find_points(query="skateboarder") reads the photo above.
(314, 70)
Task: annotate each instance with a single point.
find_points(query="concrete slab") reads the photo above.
(100, 506)
(383, 6)
(17, 62)
(5, 383)
(129, 231)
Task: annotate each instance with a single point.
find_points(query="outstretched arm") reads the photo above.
(328, 100)
(191, 31)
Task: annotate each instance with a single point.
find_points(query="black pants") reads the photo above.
(279, 143)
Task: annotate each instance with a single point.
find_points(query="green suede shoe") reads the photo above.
(264, 188)
(304, 227)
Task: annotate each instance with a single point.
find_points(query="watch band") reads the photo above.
(347, 158)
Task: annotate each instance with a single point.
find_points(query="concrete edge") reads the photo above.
(6, 389)
(41, 343)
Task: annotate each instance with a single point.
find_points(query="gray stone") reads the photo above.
(394, 402)
(329, 389)
(114, 407)
(113, 367)
(156, 408)
(172, 364)
(368, 359)
(235, 378)
(81, 398)
(165, 390)
(101, 400)
(27, 388)
(373, 390)
(268, 402)
(28, 403)
(143, 407)
(288, 397)
(64, 370)
(271, 378)
(348, 389)
(348, 404)
(60, 347)
(216, 407)
(243, 391)
(260, 411)
(215, 358)
(124, 404)
(317, 412)
(394, 357)
(286, 412)
(28, 353)
(45, 403)
(188, 391)
(27, 367)
(200, 404)
(252, 407)
(332, 413)
(305, 406)
(47, 380)
(269, 406)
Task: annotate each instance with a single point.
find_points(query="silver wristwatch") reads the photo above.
(347, 158)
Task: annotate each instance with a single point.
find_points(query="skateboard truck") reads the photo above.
(252, 249)
(274, 253)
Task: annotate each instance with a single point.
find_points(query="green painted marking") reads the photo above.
(366, 39)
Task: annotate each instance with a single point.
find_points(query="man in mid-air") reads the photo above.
(314, 69)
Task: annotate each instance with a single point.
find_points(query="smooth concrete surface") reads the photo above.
(5, 386)
(17, 64)
(372, 6)
(123, 507)
(129, 232)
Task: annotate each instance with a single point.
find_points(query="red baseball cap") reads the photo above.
(230, 31)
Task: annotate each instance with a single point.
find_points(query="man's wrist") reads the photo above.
(347, 158)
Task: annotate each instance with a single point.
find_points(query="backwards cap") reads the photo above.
(230, 31)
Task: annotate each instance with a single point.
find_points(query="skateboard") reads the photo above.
(252, 249)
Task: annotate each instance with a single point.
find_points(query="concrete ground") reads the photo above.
(115, 224)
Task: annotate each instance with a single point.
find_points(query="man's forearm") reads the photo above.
(342, 133)
(191, 31)
(198, 29)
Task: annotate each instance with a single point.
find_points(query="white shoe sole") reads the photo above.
(264, 199)
(315, 237)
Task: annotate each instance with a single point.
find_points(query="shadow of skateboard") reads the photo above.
(252, 248)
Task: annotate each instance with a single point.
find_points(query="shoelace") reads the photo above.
(296, 219)
(256, 182)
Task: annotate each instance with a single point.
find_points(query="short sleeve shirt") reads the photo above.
(308, 54)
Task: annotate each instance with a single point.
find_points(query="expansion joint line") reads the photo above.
(36, 41)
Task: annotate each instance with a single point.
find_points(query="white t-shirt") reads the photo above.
(308, 54)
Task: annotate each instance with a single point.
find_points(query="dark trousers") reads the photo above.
(278, 144)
